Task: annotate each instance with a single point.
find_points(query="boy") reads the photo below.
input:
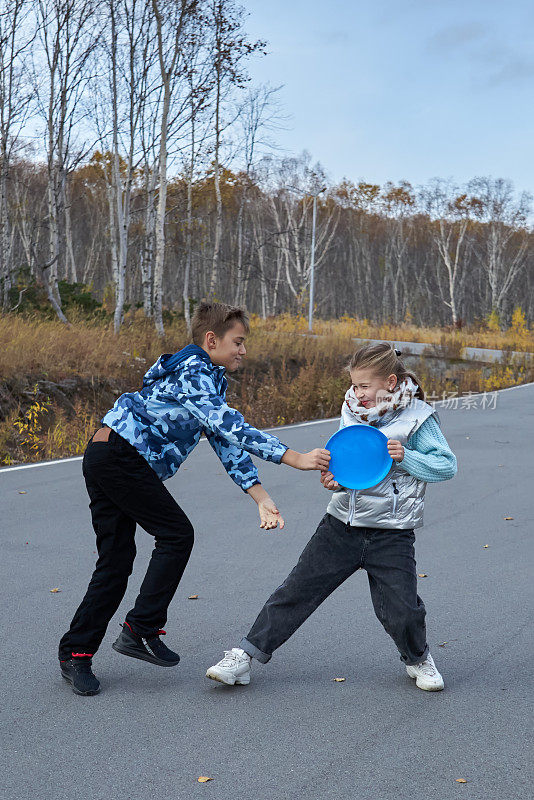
(145, 438)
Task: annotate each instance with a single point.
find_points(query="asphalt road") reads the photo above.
(294, 732)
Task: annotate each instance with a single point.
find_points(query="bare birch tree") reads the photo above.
(502, 249)
(398, 205)
(172, 18)
(67, 34)
(16, 35)
(200, 86)
(293, 218)
(131, 56)
(450, 227)
(231, 47)
(258, 115)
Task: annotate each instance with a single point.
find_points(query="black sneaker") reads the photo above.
(77, 671)
(147, 649)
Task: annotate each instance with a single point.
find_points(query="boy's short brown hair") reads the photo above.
(216, 317)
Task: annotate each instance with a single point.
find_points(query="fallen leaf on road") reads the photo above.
(486, 546)
(507, 517)
(442, 644)
(54, 591)
(204, 779)
(21, 491)
(461, 780)
(422, 575)
(339, 680)
(193, 597)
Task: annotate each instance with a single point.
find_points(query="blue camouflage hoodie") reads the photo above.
(182, 396)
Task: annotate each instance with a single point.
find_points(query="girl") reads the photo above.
(371, 528)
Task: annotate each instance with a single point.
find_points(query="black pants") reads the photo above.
(335, 552)
(124, 490)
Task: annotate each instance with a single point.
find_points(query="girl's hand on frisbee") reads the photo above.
(327, 479)
(269, 515)
(395, 450)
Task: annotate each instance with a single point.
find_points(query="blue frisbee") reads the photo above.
(359, 456)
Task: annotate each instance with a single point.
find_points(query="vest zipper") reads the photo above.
(351, 505)
(395, 496)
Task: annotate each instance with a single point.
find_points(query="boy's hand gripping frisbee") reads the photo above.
(359, 456)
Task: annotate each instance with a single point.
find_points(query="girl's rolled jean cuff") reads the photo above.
(409, 662)
(254, 652)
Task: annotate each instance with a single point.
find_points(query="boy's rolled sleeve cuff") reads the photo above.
(247, 484)
(278, 452)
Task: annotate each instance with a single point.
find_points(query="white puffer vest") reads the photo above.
(398, 500)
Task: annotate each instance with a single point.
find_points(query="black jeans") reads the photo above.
(124, 490)
(335, 552)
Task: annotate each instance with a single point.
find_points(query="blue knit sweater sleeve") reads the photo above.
(427, 455)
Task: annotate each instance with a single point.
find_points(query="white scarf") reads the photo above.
(353, 412)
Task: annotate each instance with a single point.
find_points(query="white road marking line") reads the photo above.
(282, 428)
(41, 464)
(509, 388)
(490, 391)
(302, 424)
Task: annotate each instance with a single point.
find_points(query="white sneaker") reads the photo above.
(234, 668)
(426, 675)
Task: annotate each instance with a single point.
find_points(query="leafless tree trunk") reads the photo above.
(128, 49)
(112, 226)
(502, 255)
(67, 35)
(150, 115)
(258, 114)
(231, 47)
(16, 36)
(450, 227)
(71, 270)
(450, 238)
(200, 84)
(171, 20)
(147, 260)
(398, 202)
(189, 230)
(218, 203)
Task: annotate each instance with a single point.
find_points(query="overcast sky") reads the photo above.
(403, 89)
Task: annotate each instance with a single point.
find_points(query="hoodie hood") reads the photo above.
(170, 362)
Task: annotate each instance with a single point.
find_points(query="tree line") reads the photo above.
(137, 158)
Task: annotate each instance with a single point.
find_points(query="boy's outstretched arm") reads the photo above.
(315, 459)
(199, 395)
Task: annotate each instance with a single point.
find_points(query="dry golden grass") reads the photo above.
(90, 349)
(518, 337)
